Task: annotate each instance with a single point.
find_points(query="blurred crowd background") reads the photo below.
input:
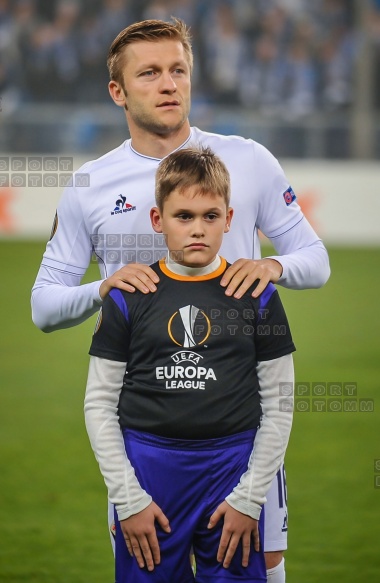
(286, 61)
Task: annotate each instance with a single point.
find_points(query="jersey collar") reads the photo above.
(152, 158)
(218, 266)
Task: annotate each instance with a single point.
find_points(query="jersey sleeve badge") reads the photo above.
(289, 196)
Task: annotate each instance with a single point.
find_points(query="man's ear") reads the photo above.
(155, 218)
(229, 216)
(117, 93)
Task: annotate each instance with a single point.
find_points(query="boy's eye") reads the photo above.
(184, 216)
(211, 216)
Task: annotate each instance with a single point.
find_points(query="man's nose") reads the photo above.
(167, 83)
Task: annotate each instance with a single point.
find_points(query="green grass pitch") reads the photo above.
(52, 498)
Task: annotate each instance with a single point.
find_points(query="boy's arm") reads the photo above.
(136, 510)
(241, 509)
(272, 436)
(105, 379)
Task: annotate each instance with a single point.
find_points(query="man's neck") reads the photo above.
(157, 145)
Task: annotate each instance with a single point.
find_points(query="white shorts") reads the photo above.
(276, 516)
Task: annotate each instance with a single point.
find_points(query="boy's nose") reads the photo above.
(198, 230)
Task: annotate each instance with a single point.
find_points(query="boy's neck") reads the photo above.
(192, 271)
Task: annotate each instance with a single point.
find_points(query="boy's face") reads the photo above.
(193, 225)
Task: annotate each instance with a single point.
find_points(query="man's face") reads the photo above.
(193, 225)
(156, 86)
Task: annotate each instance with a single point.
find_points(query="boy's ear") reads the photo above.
(229, 216)
(155, 219)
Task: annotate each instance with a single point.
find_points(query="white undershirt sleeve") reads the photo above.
(272, 436)
(105, 379)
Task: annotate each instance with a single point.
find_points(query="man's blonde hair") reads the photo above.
(197, 166)
(151, 31)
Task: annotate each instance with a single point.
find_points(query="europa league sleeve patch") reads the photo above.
(289, 196)
(54, 227)
(98, 321)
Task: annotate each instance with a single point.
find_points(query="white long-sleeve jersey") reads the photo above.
(105, 214)
(104, 383)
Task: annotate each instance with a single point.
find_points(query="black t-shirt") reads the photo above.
(191, 354)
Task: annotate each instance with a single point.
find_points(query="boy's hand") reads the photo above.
(236, 526)
(140, 535)
(244, 272)
(129, 278)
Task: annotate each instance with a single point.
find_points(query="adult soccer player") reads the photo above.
(150, 66)
(177, 390)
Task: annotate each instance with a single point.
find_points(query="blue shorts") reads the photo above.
(188, 480)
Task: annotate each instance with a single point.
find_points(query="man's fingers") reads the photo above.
(132, 285)
(260, 287)
(139, 279)
(241, 282)
(240, 276)
(141, 268)
(131, 277)
(231, 271)
(244, 272)
(143, 272)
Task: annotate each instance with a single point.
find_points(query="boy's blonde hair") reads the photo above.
(147, 30)
(196, 166)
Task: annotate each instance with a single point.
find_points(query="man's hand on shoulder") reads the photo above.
(130, 278)
(244, 272)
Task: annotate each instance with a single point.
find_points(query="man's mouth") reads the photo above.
(169, 104)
